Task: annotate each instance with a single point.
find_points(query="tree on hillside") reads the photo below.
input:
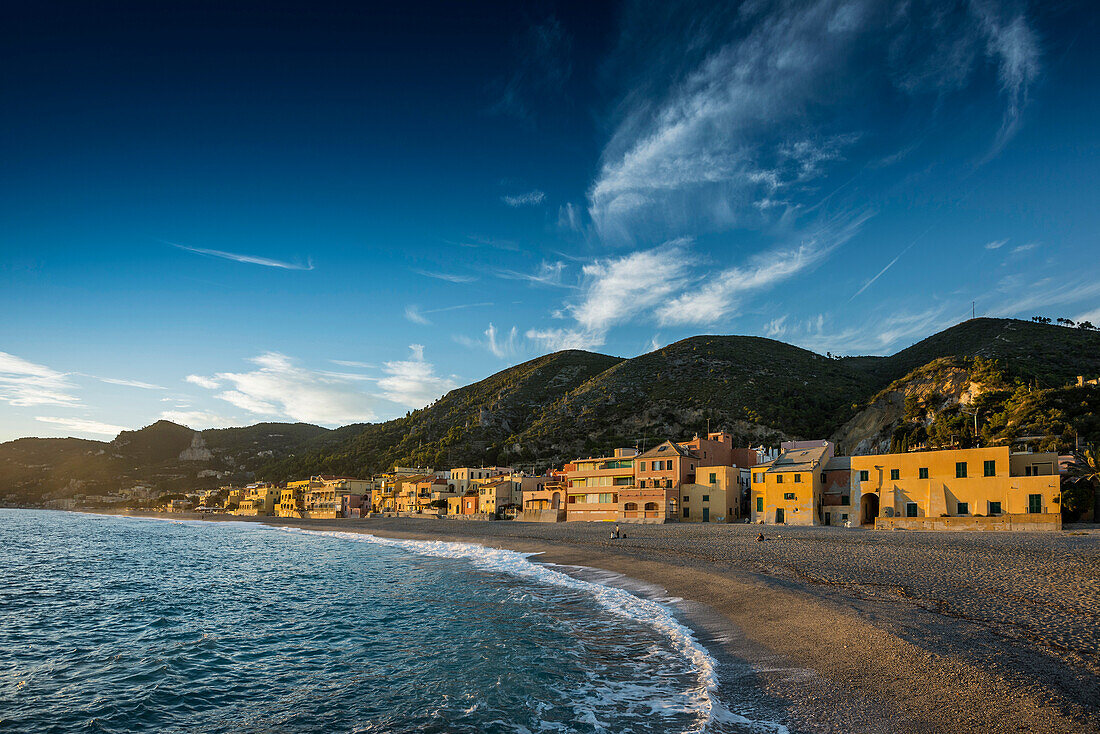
(1079, 492)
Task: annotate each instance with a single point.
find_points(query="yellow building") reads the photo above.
(788, 490)
(258, 500)
(232, 497)
(292, 499)
(323, 495)
(714, 497)
(982, 482)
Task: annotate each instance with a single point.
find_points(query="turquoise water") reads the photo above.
(128, 625)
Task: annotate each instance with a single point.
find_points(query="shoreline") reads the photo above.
(820, 661)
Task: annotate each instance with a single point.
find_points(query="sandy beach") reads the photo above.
(852, 630)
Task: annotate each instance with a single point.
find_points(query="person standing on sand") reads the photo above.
(618, 533)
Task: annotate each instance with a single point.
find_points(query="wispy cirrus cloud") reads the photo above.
(547, 273)
(995, 244)
(417, 316)
(81, 425)
(530, 198)
(25, 383)
(500, 344)
(131, 383)
(449, 277)
(249, 259)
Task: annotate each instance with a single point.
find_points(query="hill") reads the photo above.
(554, 408)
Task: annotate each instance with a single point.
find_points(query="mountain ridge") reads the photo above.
(553, 408)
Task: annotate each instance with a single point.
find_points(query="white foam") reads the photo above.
(614, 600)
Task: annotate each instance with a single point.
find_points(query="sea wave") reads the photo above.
(702, 699)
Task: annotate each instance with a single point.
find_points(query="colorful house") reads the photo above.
(979, 482)
(715, 496)
(788, 490)
(594, 485)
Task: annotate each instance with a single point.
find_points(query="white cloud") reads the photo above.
(249, 259)
(415, 315)
(207, 382)
(280, 388)
(569, 217)
(548, 273)
(531, 198)
(196, 419)
(556, 340)
(413, 383)
(349, 363)
(1091, 316)
(131, 383)
(80, 425)
(996, 244)
(449, 277)
(24, 383)
(1024, 248)
(615, 290)
(717, 296)
(412, 313)
(503, 346)
(776, 327)
(1015, 46)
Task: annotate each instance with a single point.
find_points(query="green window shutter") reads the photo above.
(960, 470)
(759, 504)
(991, 468)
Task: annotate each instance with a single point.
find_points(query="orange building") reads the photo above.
(594, 485)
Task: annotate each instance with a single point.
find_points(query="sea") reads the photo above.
(117, 624)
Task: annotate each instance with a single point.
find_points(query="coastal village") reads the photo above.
(705, 479)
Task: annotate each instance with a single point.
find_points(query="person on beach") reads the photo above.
(760, 538)
(618, 533)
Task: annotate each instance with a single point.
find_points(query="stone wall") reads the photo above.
(1027, 522)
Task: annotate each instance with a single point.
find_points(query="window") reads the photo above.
(994, 508)
(962, 508)
(991, 468)
(668, 483)
(759, 504)
(778, 478)
(960, 470)
(864, 475)
(844, 517)
(713, 478)
(642, 484)
(823, 479)
(757, 477)
(910, 509)
(845, 500)
(895, 475)
(631, 506)
(788, 495)
(1027, 470)
(797, 478)
(687, 512)
(1035, 503)
(706, 498)
(643, 466)
(687, 497)
(922, 473)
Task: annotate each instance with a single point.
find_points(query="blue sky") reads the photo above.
(334, 213)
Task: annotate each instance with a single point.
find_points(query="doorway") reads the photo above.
(779, 516)
(706, 514)
(869, 509)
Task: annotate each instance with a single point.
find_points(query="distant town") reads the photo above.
(705, 479)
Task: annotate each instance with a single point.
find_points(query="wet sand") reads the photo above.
(852, 630)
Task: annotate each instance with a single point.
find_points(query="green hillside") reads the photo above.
(549, 410)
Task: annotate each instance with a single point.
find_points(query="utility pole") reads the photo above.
(973, 309)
